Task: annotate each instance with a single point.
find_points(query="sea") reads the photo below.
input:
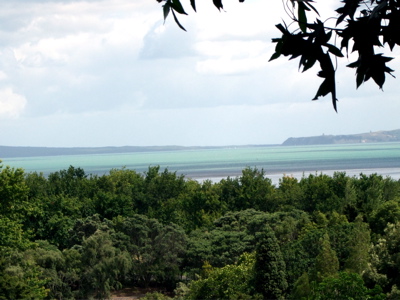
(218, 163)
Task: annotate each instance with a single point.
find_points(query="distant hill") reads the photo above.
(370, 137)
(10, 151)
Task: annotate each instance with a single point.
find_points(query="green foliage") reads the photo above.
(289, 193)
(20, 278)
(222, 244)
(156, 250)
(388, 212)
(326, 262)
(155, 296)
(269, 267)
(104, 266)
(200, 205)
(256, 191)
(13, 236)
(370, 192)
(13, 193)
(250, 190)
(387, 261)
(359, 244)
(70, 235)
(319, 194)
(229, 282)
(345, 286)
(302, 288)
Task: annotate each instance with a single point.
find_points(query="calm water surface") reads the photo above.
(382, 158)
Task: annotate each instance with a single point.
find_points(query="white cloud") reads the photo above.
(231, 57)
(108, 72)
(11, 104)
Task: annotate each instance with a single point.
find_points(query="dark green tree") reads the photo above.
(104, 266)
(269, 267)
(156, 249)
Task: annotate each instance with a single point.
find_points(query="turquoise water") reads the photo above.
(217, 163)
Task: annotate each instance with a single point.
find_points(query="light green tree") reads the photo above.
(359, 245)
(326, 263)
(229, 282)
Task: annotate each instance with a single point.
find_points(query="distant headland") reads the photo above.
(371, 137)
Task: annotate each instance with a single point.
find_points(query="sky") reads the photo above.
(112, 73)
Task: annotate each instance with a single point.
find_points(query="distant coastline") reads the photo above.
(21, 151)
(371, 137)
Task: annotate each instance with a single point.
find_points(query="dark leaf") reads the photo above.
(334, 50)
(281, 28)
(166, 9)
(309, 63)
(177, 21)
(275, 56)
(349, 9)
(329, 84)
(301, 10)
(193, 3)
(372, 66)
(360, 79)
(307, 3)
(177, 6)
(218, 4)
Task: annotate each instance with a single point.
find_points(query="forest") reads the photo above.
(72, 235)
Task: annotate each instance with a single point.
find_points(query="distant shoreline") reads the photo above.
(371, 137)
(21, 151)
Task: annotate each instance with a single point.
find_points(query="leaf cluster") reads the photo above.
(175, 6)
(361, 27)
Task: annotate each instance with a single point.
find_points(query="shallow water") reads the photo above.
(214, 164)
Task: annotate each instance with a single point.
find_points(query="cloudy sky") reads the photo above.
(111, 73)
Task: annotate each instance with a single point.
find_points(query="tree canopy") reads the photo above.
(356, 26)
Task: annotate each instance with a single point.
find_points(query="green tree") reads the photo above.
(20, 277)
(269, 267)
(118, 193)
(359, 245)
(302, 288)
(71, 182)
(385, 263)
(13, 193)
(200, 204)
(289, 193)
(229, 282)
(345, 286)
(156, 249)
(388, 212)
(326, 263)
(161, 189)
(256, 191)
(104, 266)
(369, 190)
